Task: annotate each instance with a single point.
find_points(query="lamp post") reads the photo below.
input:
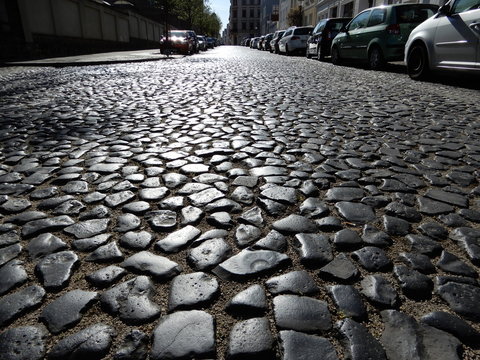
(300, 3)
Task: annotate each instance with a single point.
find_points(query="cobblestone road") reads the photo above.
(237, 204)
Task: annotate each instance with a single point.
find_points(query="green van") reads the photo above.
(378, 35)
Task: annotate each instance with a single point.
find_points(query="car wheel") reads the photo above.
(287, 52)
(320, 54)
(375, 58)
(417, 63)
(308, 54)
(336, 60)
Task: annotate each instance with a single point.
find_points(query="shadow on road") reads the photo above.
(449, 78)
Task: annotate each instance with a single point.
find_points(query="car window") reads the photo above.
(289, 32)
(414, 14)
(336, 25)
(178, 34)
(359, 21)
(320, 26)
(377, 17)
(465, 5)
(302, 31)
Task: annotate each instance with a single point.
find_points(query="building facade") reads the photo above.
(242, 25)
(268, 16)
(244, 20)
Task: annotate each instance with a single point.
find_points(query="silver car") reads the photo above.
(448, 40)
(295, 40)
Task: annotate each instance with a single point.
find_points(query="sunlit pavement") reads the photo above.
(237, 204)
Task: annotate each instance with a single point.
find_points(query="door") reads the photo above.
(457, 39)
(351, 45)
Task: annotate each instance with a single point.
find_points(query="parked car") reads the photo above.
(320, 42)
(294, 40)
(202, 43)
(266, 43)
(378, 35)
(260, 42)
(210, 42)
(193, 36)
(180, 41)
(448, 40)
(275, 39)
(254, 42)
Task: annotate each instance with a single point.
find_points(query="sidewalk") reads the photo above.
(96, 59)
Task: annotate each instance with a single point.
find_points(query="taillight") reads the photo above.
(393, 29)
(295, 37)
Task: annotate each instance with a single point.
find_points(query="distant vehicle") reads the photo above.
(274, 42)
(378, 35)
(260, 43)
(320, 42)
(179, 41)
(193, 36)
(202, 43)
(254, 42)
(210, 42)
(294, 40)
(266, 43)
(448, 40)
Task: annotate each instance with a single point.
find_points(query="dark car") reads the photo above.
(193, 36)
(378, 35)
(180, 41)
(266, 43)
(210, 42)
(274, 42)
(202, 43)
(320, 41)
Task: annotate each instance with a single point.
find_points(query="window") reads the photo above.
(336, 25)
(414, 14)
(234, 14)
(302, 31)
(360, 21)
(465, 5)
(377, 17)
(252, 13)
(348, 9)
(244, 13)
(333, 12)
(319, 28)
(244, 26)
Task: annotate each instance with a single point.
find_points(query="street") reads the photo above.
(238, 204)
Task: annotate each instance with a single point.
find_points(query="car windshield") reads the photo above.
(178, 34)
(414, 14)
(302, 31)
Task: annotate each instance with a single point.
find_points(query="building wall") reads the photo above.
(84, 19)
(309, 12)
(315, 10)
(350, 8)
(267, 8)
(244, 20)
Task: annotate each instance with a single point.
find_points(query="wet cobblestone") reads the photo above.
(237, 204)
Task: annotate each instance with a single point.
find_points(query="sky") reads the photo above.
(222, 9)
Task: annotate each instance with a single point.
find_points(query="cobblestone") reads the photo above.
(258, 204)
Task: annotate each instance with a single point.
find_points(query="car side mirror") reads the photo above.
(444, 10)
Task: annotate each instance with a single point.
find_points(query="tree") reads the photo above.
(294, 17)
(197, 15)
(190, 11)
